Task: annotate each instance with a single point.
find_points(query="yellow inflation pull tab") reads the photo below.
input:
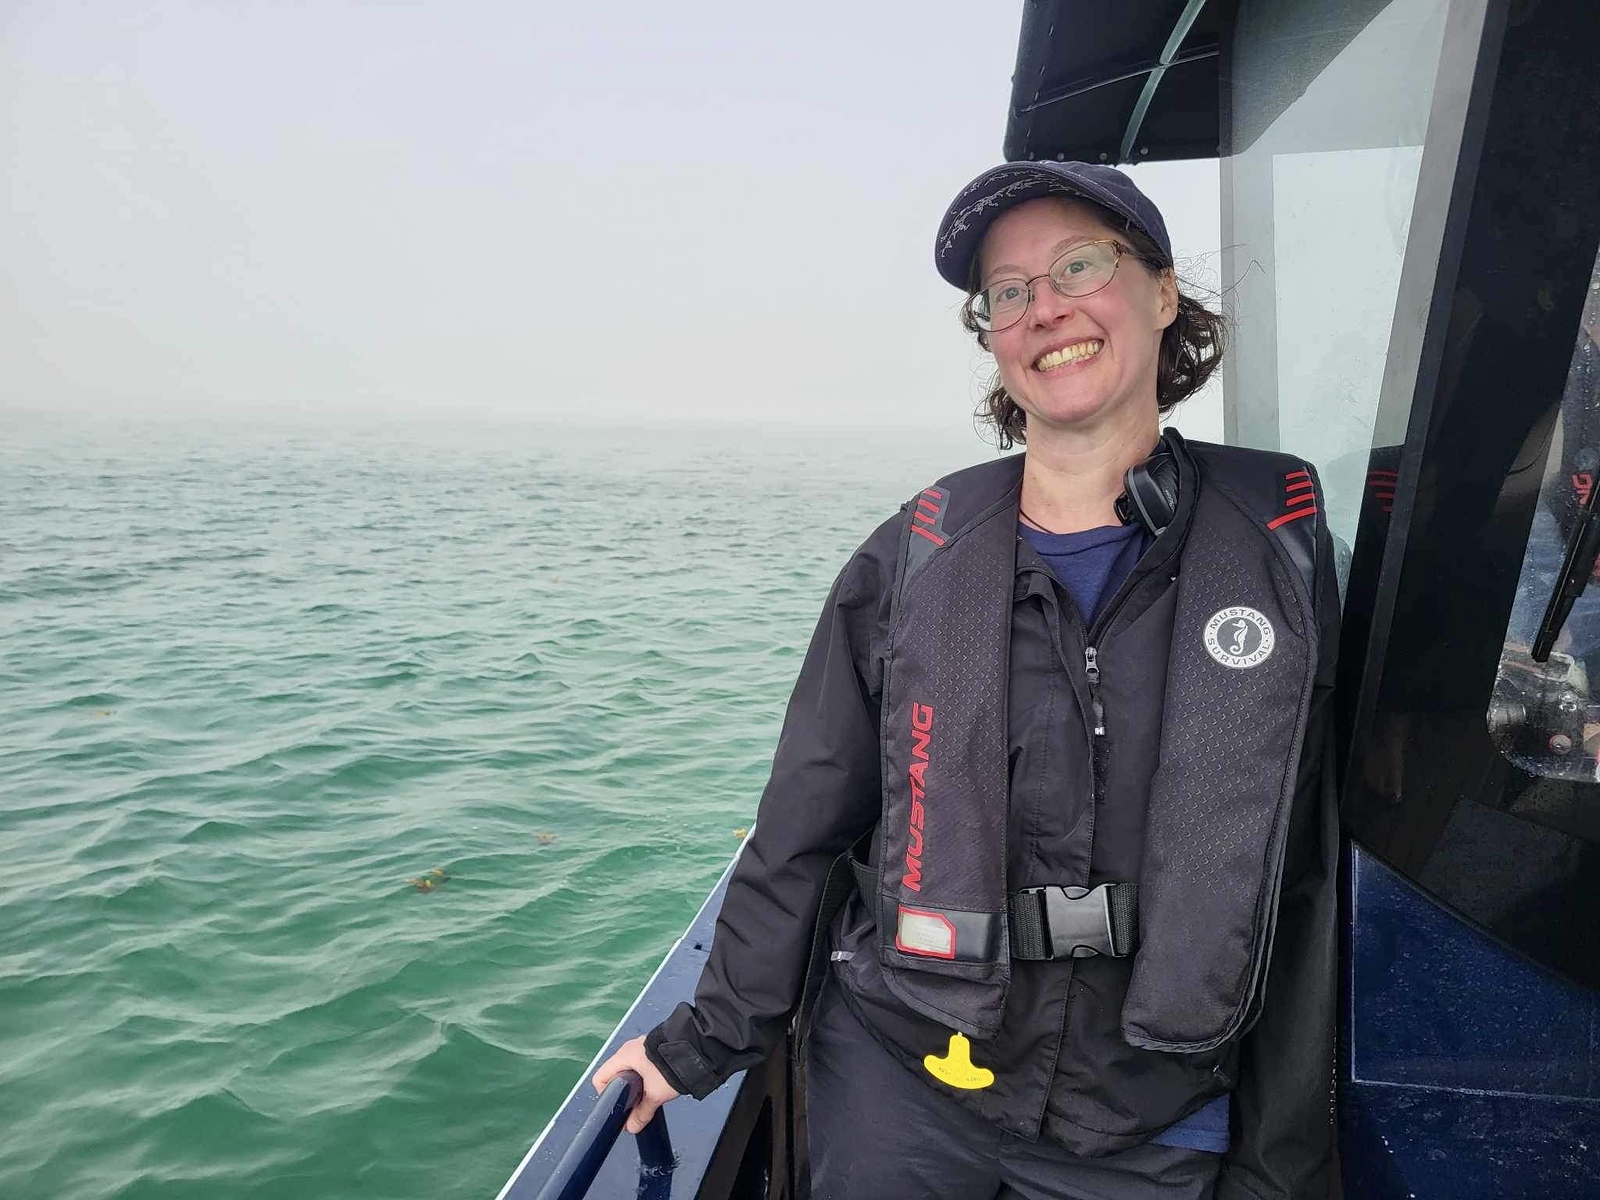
(957, 1068)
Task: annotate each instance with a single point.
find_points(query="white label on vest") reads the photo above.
(922, 932)
(1239, 637)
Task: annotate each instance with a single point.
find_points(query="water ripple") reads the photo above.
(256, 680)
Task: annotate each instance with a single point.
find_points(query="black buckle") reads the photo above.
(1077, 921)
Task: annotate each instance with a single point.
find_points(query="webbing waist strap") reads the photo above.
(1075, 922)
(1058, 922)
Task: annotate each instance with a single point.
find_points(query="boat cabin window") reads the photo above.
(1329, 108)
(1470, 769)
(1545, 717)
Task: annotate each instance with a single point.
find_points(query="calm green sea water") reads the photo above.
(254, 679)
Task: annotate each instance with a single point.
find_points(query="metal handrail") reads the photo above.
(595, 1137)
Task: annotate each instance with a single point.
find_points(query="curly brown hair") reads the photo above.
(1191, 347)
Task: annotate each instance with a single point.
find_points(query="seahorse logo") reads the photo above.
(1237, 632)
(1239, 637)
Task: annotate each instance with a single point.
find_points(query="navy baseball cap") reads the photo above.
(977, 205)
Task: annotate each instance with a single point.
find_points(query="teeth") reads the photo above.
(1074, 353)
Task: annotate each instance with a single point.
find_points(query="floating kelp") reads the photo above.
(432, 881)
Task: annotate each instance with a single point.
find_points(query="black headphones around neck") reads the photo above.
(1150, 492)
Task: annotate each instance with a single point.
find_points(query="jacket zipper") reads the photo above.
(1102, 625)
(1091, 671)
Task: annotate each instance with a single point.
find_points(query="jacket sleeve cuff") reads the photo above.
(681, 1065)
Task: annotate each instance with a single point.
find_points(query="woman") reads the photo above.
(1064, 719)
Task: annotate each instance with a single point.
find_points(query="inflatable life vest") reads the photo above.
(1242, 663)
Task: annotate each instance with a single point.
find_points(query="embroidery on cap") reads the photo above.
(962, 218)
(1239, 637)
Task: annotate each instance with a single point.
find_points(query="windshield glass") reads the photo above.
(1328, 121)
(1545, 717)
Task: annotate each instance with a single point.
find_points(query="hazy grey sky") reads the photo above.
(628, 211)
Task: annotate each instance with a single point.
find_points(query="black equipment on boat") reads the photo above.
(1577, 566)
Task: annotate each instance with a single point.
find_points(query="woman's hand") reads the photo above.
(630, 1056)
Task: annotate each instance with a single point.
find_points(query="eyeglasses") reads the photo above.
(1081, 271)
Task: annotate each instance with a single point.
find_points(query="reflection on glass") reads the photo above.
(1545, 717)
(1329, 113)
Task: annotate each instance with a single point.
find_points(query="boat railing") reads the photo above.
(595, 1138)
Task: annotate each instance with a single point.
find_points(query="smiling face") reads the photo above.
(1075, 363)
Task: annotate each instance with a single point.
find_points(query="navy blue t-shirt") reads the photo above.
(1092, 565)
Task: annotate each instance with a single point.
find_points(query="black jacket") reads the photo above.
(1063, 1068)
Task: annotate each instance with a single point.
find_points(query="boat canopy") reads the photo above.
(1139, 81)
(1116, 83)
